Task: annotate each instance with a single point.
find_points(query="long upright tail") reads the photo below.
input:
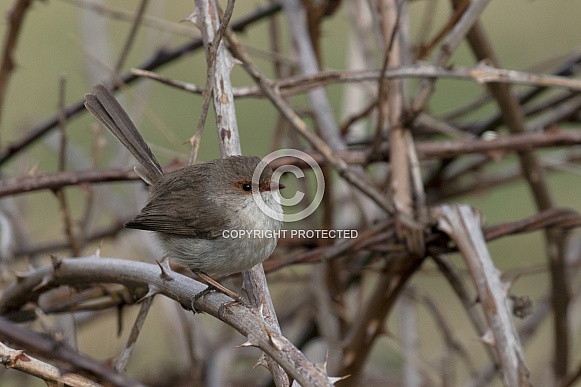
(103, 105)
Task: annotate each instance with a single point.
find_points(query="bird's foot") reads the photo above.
(217, 286)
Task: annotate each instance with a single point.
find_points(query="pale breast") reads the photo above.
(254, 240)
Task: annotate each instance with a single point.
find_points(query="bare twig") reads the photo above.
(160, 58)
(137, 20)
(514, 143)
(450, 339)
(125, 354)
(359, 181)
(35, 343)
(448, 46)
(119, 14)
(425, 149)
(462, 224)
(296, 16)
(211, 61)
(218, 79)
(55, 181)
(445, 29)
(410, 341)
(533, 172)
(186, 291)
(68, 225)
(19, 360)
(229, 140)
(369, 322)
(481, 73)
(15, 21)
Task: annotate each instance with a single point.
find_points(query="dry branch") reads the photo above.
(161, 280)
(19, 360)
(35, 343)
(220, 64)
(462, 224)
(159, 59)
(482, 73)
(15, 21)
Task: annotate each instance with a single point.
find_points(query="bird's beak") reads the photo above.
(272, 186)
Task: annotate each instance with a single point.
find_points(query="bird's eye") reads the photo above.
(246, 187)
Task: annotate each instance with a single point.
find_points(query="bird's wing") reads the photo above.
(181, 208)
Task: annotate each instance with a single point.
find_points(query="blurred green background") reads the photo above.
(53, 44)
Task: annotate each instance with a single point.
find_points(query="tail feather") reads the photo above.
(103, 105)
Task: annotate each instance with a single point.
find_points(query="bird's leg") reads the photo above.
(212, 283)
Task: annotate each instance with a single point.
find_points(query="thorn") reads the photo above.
(195, 18)
(348, 358)
(151, 291)
(45, 280)
(261, 362)
(506, 288)
(21, 275)
(250, 342)
(165, 269)
(244, 345)
(193, 307)
(58, 336)
(276, 343)
(334, 379)
(20, 355)
(488, 338)
(323, 365)
(56, 261)
(513, 280)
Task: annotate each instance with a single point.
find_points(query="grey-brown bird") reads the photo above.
(190, 208)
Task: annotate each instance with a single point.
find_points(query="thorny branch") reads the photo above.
(161, 280)
(402, 155)
(220, 87)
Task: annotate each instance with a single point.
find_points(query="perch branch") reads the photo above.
(180, 288)
(229, 139)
